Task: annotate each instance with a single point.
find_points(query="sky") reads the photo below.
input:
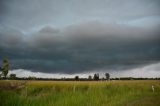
(56, 38)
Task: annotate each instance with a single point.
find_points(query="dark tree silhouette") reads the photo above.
(12, 76)
(107, 76)
(0, 72)
(5, 67)
(96, 76)
(76, 78)
(90, 77)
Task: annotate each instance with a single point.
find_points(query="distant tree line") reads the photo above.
(80, 79)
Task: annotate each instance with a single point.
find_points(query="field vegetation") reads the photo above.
(80, 93)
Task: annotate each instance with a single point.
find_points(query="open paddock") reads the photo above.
(79, 93)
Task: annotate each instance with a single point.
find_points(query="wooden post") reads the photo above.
(152, 88)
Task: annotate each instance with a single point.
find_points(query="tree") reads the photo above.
(0, 71)
(13, 76)
(32, 77)
(107, 76)
(5, 67)
(76, 78)
(90, 77)
(96, 76)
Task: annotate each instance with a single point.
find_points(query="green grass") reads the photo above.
(77, 93)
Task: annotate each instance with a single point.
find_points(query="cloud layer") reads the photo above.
(80, 48)
(26, 14)
(79, 36)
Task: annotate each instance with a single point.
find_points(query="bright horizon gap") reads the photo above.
(149, 71)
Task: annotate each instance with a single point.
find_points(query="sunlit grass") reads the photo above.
(79, 93)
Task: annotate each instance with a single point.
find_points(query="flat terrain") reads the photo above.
(79, 93)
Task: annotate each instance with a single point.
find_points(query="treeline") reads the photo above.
(76, 78)
(79, 79)
(132, 78)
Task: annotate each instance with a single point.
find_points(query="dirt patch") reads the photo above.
(145, 101)
(12, 85)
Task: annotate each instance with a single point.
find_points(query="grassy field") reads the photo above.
(79, 93)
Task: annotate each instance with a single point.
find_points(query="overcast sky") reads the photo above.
(81, 36)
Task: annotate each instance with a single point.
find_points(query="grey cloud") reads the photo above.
(10, 38)
(123, 8)
(49, 29)
(84, 47)
(26, 14)
(78, 36)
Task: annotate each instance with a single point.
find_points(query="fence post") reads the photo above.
(152, 88)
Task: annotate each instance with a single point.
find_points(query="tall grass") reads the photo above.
(76, 93)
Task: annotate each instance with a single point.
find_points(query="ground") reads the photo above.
(80, 93)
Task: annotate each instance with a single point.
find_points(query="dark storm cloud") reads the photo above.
(83, 47)
(10, 38)
(79, 35)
